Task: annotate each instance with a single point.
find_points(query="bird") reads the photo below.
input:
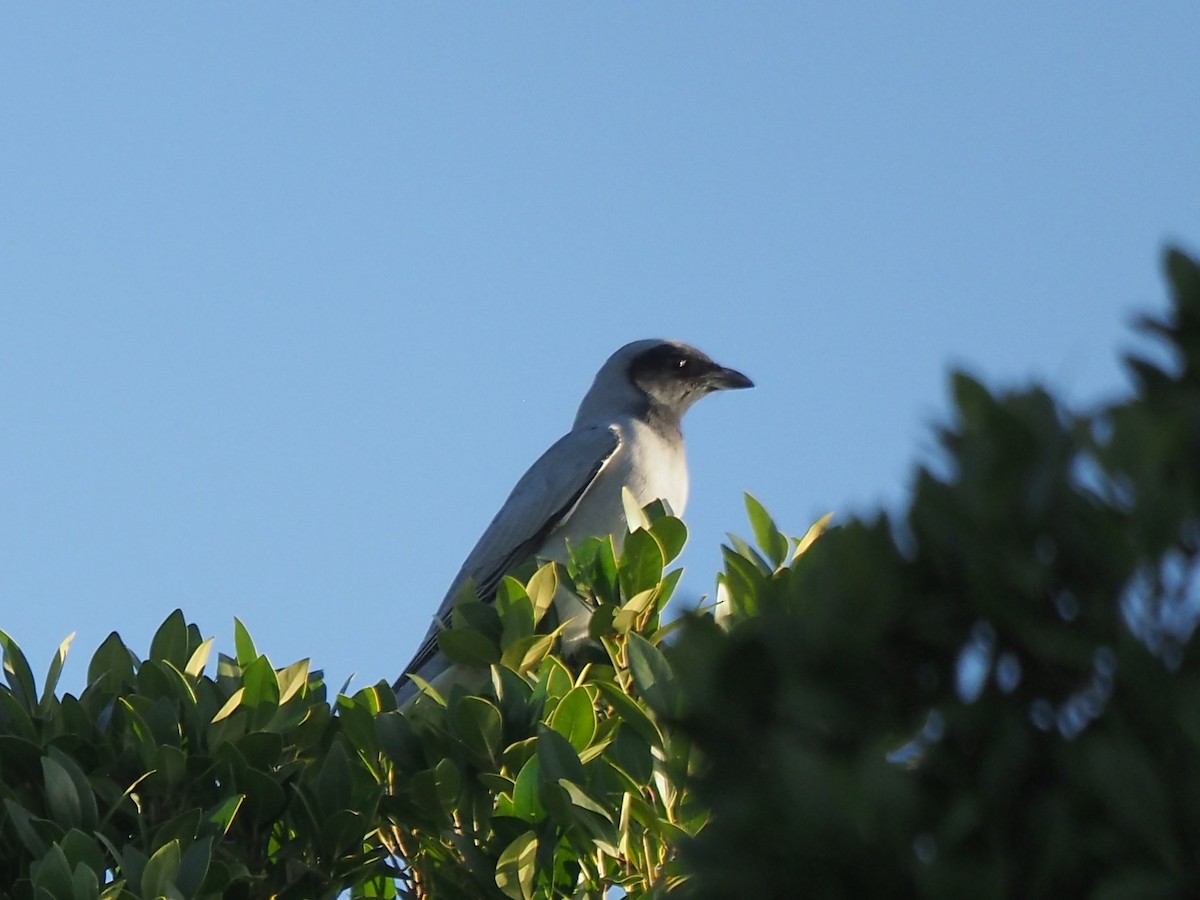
(626, 436)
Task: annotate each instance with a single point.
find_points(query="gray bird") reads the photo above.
(626, 435)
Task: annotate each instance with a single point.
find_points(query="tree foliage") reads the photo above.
(992, 696)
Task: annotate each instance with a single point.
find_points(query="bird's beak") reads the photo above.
(723, 379)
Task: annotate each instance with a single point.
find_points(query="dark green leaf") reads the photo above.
(333, 783)
(51, 875)
(468, 647)
(82, 793)
(652, 675)
(82, 849)
(170, 642)
(62, 800)
(194, 866)
(557, 758)
(18, 674)
(113, 662)
(478, 724)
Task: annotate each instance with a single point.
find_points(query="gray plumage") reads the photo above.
(626, 435)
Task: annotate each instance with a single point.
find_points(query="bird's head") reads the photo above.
(657, 378)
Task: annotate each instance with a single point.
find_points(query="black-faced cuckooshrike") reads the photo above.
(626, 435)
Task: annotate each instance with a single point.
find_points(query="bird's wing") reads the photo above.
(543, 498)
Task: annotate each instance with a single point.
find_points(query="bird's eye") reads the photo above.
(681, 363)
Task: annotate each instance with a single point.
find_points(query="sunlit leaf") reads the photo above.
(516, 867)
(542, 587)
(243, 644)
(815, 530)
(575, 718)
(17, 673)
(158, 878)
(55, 671)
(773, 543)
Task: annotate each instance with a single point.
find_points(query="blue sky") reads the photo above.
(291, 294)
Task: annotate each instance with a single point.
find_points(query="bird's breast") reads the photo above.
(651, 466)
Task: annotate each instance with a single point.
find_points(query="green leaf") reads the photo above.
(468, 647)
(631, 713)
(22, 820)
(17, 722)
(517, 619)
(231, 706)
(641, 565)
(292, 681)
(199, 658)
(158, 878)
(815, 530)
(633, 755)
(260, 690)
(517, 867)
(448, 781)
(56, 667)
(652, 675)
(749, 555)
(527, 805)
(557, 758)
(541, 589)
(194, 866)
(170, 642)
(579, 797)
(243, 644)
(51, 875)
(774, 544)
(554, 680)
(222, 815)
(671, 535)
(527, 653)
(112, 661)
(479, 725)
(575, 718)
(88, 812)
(85, 883)
(62, 800)
(18, 674)
(82, 849)
(333, 783)
(593, 564)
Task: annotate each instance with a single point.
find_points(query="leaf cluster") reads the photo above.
(161, 780)
(992, 697)
(552, 778)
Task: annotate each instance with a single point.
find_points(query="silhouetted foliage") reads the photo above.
(1017, 646)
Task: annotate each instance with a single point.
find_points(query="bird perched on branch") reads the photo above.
(626, 435)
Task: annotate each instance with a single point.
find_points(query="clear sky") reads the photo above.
(292, 293)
